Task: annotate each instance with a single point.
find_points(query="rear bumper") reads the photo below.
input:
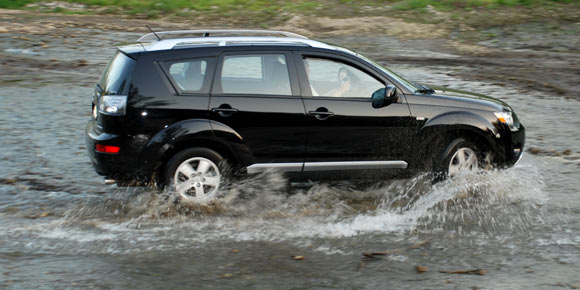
(122, 166)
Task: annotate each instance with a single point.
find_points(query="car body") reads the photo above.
(254, 102)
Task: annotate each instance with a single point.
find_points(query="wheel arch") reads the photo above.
(437, 132)
(191, 133)
(192, 141)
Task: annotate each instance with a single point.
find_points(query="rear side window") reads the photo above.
(117, 75)
(189, 75)
(265, 74)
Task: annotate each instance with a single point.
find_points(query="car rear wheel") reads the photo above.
(195, 174)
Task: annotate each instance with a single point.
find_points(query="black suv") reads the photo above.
(180, 108)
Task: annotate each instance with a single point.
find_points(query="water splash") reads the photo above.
(265, 208)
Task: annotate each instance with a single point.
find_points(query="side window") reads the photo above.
(242, 67)
(265, 74)
(188, 75)
(330, 78)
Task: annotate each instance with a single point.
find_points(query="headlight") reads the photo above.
(506, 118)
(113, 105)
(95, 112)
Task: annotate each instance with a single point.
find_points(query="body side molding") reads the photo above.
(354, 165)
(326, 166)
(282, 167)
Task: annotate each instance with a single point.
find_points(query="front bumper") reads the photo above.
(511, 146)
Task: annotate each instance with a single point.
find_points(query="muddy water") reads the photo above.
(63, 228)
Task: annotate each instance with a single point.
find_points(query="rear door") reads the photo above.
(345, 130)
(255, 93)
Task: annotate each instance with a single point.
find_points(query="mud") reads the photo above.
(62, 227)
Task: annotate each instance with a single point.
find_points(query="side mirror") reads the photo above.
(385, 96)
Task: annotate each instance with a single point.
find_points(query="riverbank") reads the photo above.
(537, 54)
(321, 17)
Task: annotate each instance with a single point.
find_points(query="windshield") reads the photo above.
(392, 74)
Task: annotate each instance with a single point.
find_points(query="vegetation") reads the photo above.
(14, 3)
(269, 13)
(160, 7)
(447, 5)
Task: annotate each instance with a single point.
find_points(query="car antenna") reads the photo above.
(158, 38)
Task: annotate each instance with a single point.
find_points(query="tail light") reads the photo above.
(107, 148)
(113, 105)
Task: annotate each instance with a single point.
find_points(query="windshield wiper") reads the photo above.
(423, 89)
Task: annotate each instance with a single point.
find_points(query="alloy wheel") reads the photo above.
(197, 178)
(464, 160)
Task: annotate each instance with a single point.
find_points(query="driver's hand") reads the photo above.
(345, 86)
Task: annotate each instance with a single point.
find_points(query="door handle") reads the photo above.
(224, 110)
(321, 113)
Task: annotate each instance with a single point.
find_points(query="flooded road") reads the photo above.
(63, 228)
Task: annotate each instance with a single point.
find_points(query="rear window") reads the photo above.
(116, 77)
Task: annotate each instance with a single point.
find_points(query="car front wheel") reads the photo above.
(459, 156)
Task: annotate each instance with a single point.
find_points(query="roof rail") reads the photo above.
(229, 40)
(208, 32)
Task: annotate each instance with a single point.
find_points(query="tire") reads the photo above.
(195, 174)
(459, 156)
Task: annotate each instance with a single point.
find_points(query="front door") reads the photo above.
(345, 130)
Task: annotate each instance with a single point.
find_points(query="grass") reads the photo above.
(15, 3)
(176, 6)
(268, 13)
(448, 5)
(163, 7)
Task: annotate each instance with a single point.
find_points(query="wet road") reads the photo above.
(63, 228)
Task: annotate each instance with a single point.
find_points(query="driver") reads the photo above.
(343, 78)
